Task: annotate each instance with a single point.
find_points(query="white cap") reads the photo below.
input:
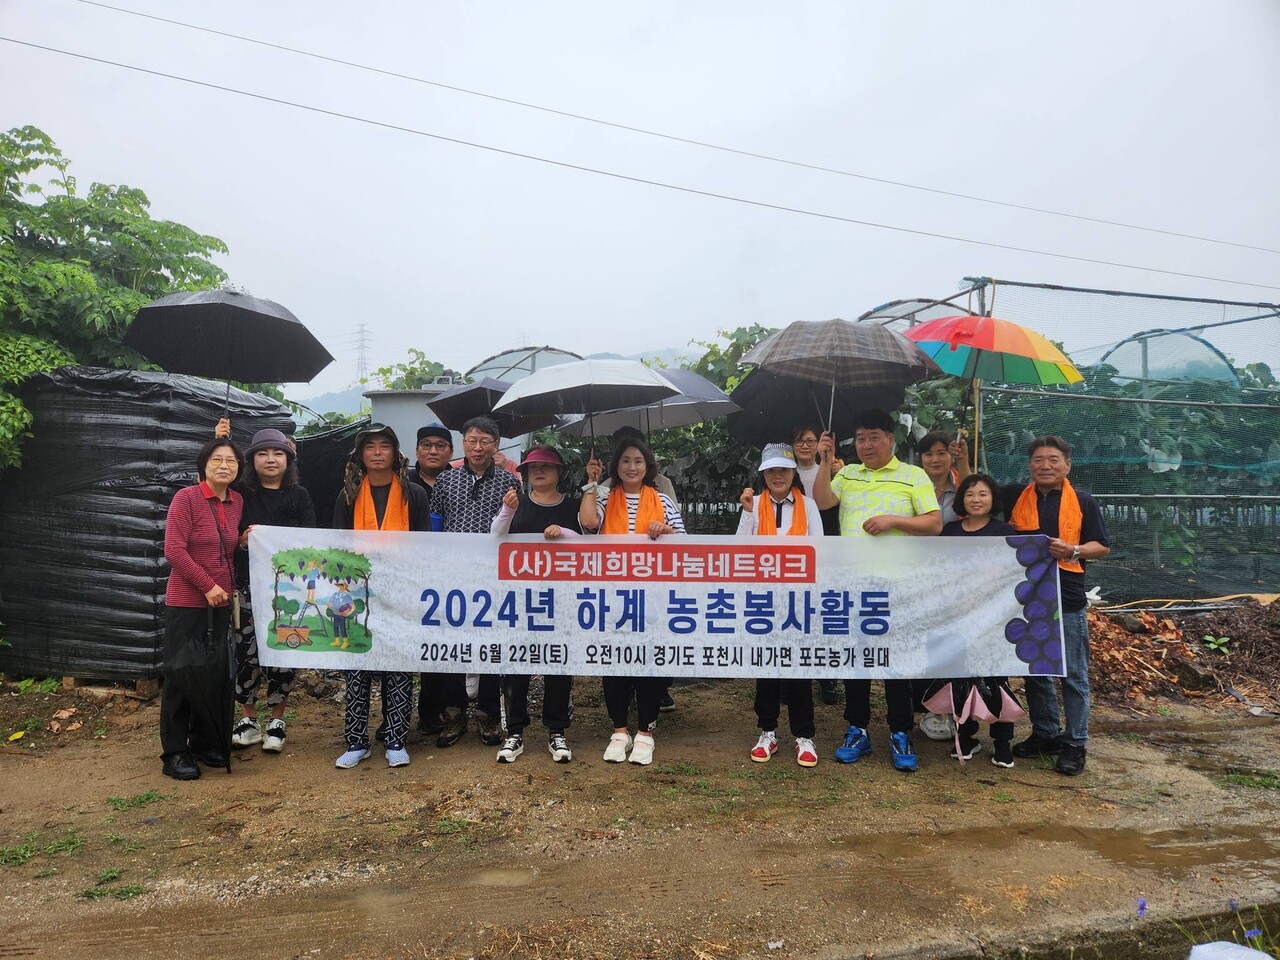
(777, 455)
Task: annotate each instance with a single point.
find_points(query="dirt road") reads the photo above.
(704, 854)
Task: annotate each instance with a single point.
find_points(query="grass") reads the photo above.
(38, 685)
(32, 846)
(106, 875)
(140, 800)
(681, 768)
(127, 892)
(1261, 779)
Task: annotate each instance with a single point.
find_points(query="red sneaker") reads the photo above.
(765, 747)
(806, 755)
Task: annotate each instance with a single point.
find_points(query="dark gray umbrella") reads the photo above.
(227, 335)
(457, 405)
(837, 353)
(773, 406)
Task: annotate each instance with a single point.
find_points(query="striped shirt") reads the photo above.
(192, 547)
(897, 489)
(673, 517)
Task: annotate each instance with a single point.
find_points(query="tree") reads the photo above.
(74, 269)
(414, 373)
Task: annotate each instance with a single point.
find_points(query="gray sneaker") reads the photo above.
(455, 725)
(246, 733)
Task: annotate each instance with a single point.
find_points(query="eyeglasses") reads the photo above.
(479, 442)
(805, 443)
(223, 461)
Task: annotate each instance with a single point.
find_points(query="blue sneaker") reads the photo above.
(351, 758)
(856, 746)
(398, 758)
(904, 757)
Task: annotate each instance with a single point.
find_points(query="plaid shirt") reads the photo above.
(467, 502)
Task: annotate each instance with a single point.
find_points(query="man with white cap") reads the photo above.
(781, 510)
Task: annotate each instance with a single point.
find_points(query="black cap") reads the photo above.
(436, 430)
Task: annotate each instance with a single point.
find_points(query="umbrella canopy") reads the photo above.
(203, 670)
(456, 406)
(841, 353)
(773, 406)
(227, 335)
(698, 400)
(587, 387)
(985, 348)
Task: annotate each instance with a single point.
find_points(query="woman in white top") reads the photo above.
(781, 509)
(632, 505)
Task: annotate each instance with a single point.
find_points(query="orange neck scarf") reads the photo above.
(767, 524)
(615, 511)
(395, 517)
(1026, 517)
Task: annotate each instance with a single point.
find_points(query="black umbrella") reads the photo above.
(699, 400)
(203, 669)
(773, 406)
(227, 335)
(456, 406)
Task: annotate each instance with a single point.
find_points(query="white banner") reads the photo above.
(840, 608)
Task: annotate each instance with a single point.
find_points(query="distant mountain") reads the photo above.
(662, 356)
(346, 401)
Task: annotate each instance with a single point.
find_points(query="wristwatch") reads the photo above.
(1075, 552)
(589, 487)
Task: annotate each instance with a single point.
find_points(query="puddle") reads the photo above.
(499, 878)
(1174, 852)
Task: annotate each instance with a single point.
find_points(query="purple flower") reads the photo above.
(1233, 906)
(1252, 934)
(1142, 907)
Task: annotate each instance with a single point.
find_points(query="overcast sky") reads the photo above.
(1163, 113)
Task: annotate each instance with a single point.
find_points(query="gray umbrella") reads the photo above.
(838, 353)
(699, 400)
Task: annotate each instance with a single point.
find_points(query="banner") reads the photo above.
(784, 607)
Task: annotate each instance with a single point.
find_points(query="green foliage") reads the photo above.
(412, 373)
(146, 798)
(38, 685)
(1217, 644)
(327, 421)
(75, 268)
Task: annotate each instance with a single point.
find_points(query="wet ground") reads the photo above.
(704, 854)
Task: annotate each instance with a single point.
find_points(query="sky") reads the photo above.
(1160, 113)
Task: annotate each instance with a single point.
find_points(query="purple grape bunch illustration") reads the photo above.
(1036, 635)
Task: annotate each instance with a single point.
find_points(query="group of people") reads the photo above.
(805, 491)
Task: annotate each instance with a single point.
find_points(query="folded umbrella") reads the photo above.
(973, 698)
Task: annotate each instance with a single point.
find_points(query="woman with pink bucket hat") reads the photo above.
(548, 511)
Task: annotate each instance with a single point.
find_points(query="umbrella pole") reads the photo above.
(831, 410)
(977, 420)
(226, 401)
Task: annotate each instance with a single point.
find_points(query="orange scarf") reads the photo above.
(395, 517)
(1026, 517)
(767, 524)
(615, 511)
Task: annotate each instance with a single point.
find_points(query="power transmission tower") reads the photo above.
(362, 352)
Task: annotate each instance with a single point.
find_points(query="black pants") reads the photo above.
(556, 714)
(249, 672)
(999, 731)
(798, 696)
(181, 727)
(648, 691)
(897, 695)
(430, 706)
(452, 692)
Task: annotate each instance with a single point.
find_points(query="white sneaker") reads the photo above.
(936, 727)
(351, 758)
(619, 744)
(246, 733)
(642, 751)
(273, 742)
(559, 748)
(512, 747)
(765, 747)
(806, 754)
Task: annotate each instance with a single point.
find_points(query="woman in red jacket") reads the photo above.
(200, 537)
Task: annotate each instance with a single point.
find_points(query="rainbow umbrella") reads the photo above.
(985, 348)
